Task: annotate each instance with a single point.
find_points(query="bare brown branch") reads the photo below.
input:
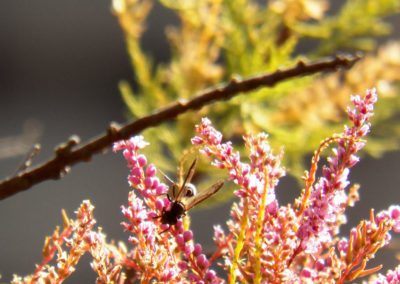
(69, 153)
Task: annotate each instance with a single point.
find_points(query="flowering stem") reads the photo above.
(310, 177)
(260, 222)
(239, 243)
(57, 242)
(368, 238)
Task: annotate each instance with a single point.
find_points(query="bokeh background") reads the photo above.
(60, 63)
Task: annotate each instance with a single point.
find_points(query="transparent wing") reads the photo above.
(203, 195)
(187, 180)
(166, 178)
(171, 184)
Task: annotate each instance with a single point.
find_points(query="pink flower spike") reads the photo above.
(264, 241)
(327, 199)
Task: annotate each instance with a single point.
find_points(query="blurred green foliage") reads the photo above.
(218, 39)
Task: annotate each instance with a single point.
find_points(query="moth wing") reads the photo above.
(203, 195)
(187, 180)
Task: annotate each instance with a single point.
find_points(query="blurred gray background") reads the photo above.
(60, 62)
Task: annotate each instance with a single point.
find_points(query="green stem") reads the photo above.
(239, 244)
(260, 221)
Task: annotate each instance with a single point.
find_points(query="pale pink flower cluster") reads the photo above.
(328, 200)
(257, 180)
(294, 243)
(78, 237)
(265, 242)
(160, 252)
(391, 277)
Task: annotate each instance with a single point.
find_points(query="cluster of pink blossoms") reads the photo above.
(328, 200)
(266, 242)
(161, 252)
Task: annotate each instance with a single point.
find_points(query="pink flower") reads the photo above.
(328, 200)
(168, 256)
(391, 277)
(256, 182)
(267, 237)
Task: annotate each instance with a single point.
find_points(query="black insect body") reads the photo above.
(175, 212)
(179, 206)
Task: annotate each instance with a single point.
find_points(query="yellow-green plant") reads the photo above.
(217, 40)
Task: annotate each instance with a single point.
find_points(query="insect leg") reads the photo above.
(167, 229)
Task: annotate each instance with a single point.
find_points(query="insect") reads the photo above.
(179, 206)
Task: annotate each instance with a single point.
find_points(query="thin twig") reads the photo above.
(68, 154)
